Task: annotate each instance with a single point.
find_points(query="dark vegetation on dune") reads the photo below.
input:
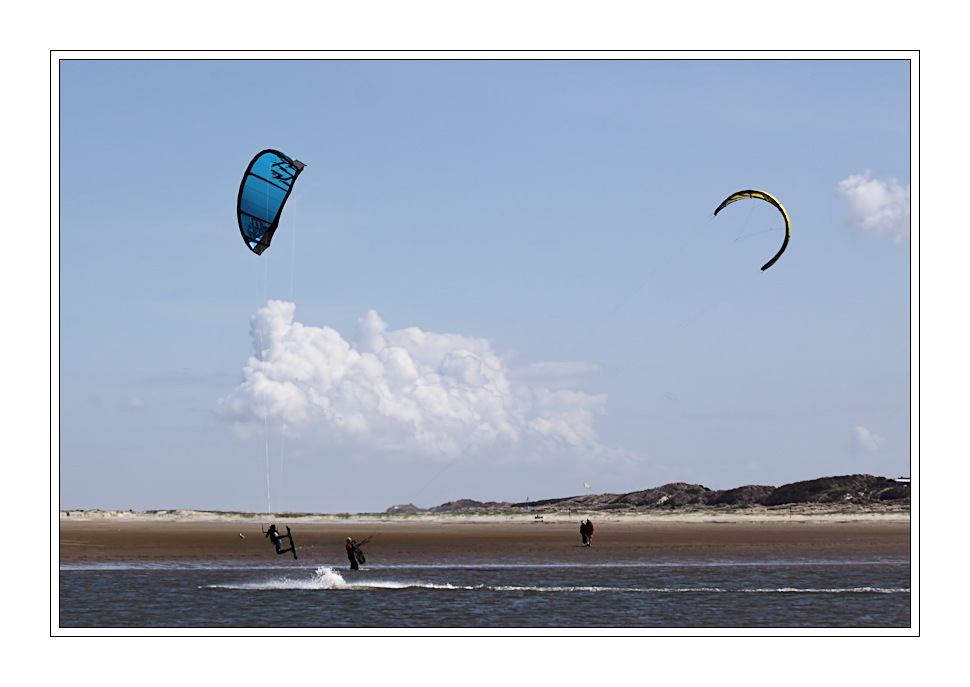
(848, 490)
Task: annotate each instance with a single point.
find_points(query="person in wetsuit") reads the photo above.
(277, 539)
(350, 554)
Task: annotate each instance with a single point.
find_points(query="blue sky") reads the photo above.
(495, 280)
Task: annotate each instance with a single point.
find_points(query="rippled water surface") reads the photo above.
(723, 594)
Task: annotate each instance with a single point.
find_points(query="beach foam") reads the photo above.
(326, 578)
(323, 578)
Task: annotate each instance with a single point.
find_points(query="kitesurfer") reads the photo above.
(277, 539)
(274, 536)
(350, 554)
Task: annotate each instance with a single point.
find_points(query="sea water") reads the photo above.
(790, 593)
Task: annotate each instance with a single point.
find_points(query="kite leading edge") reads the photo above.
(263, 191)
(761, 195)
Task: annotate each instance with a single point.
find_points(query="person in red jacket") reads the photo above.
(589, 532)
(350, 554)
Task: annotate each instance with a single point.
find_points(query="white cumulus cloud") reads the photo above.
(876, 206)
(407, 393)
(866, 440)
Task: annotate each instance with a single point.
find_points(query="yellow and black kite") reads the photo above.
(740, 195)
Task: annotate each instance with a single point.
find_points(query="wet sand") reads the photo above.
(451, 540)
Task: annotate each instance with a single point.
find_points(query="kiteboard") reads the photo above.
(358, 552)
(292, 545)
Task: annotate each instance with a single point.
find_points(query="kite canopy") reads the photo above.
(264, 189)
(761, 195)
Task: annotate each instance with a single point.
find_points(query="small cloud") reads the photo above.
(866, 440)
(132, 403)
(876, 206)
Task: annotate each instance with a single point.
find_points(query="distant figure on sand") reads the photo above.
(582, 531)
(277, 539)
(589, 532)
(350, 554)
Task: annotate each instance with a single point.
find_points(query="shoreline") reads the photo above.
(481, 539)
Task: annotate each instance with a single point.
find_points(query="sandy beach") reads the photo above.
(187, 535)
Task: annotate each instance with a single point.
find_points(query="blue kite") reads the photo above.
(265, 187)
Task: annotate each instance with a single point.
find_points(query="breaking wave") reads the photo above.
(326, 578)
